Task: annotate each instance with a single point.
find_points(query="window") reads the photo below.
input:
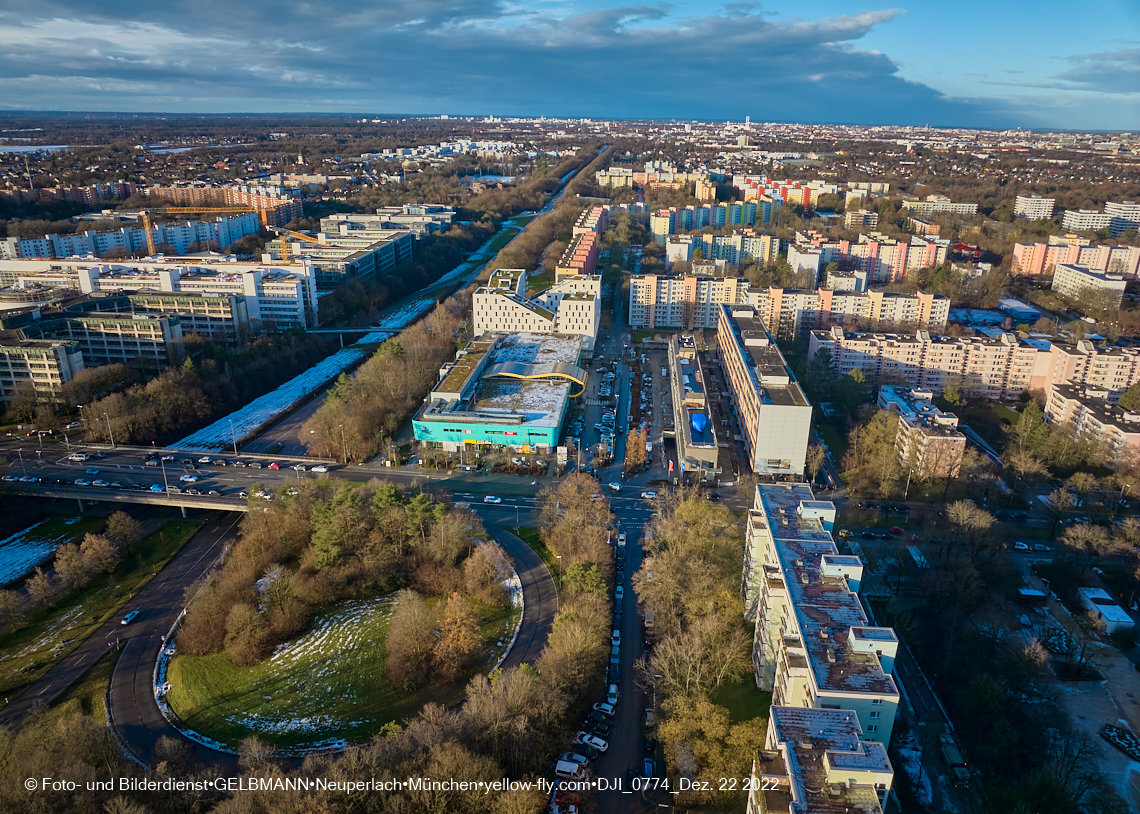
(872, 728)
(876, 701)
(875, 714)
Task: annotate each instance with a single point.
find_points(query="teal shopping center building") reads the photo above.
(504, 390)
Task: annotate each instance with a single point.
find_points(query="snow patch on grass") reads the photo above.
(911, 756)
(25, 549)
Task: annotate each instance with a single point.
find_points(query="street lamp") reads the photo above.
(22, 466)
(559, 556)
(907, 490)
(165, 482)
(109, 434)
(343, 445)
(233, 436)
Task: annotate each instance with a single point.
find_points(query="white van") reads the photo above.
(569, 770)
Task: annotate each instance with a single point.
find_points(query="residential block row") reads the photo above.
(1037, 259)
(883, 258)
(571, 306)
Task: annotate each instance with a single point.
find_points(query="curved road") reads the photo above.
(540, 598)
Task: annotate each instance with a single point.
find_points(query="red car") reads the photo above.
(275, 465)
(895, 530)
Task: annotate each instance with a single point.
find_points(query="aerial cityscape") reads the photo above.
(584, 410)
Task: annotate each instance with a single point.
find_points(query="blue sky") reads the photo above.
(968, 63)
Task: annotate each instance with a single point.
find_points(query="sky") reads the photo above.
(969, 63)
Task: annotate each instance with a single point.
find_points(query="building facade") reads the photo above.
(773, 413)
(687, 302)
(1072, 281)
(1096, 420)
(41, 366)
(790, 312)
(1033, 207)
(572, 306)
(1037, 259)
(927, 440)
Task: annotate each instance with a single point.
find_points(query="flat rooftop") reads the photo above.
(770, 374)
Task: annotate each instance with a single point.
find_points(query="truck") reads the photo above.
(959, 770)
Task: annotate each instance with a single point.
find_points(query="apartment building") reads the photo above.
(814, 646)
(183, 237)
(802, 193)
(1072, 281)
(928, 441)
(674, 301)
(281, 296)
(1124, 216)
(1036, 259)
(572, 306)
(44, 365)
(580, 257)
(790, 312)
(884, 259)
(1033, 207)
(920, 226)
(274, 205)
(1096, 420)
(817, 761)
(594, 220)
(995, 369)
(737, 247)
(704, 189)
(419, 219)
(698, 452)
(665, 222)
(938, 204)
(773, 413)
(338, 258)
(220, 317)
(860, 219)
(1085, 220)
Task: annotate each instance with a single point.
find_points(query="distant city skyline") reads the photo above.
(975, 63)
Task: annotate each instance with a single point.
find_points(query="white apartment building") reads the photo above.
(817, 761)
(773, 413)
(282, 295)
(1123, 216)
(927, 440)
(860, 219)
(1085, 220)
(572, 306)
(1033, 207)
(814, 646)
(44, 364)
(937, 204)
(689, 302)
(419, 219)
(1071, 280)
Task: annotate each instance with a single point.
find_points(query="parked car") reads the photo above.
(1021, 546)
(606, 709)
(619, 593)
(591, 740)
(1041, 547)
(492, 499)
(612, 695)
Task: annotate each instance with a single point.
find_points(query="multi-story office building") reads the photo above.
(927, 440)
(281, 296)
(220, 317)
(814, 645)
(817, 761)
(773, 412)
(790, 312)
(572, 306)
(419, 219)
(1085, 220)
(1036, 259)
(43, 365)
(150, 341)
(698, 453)
(689, 302)
(1072, 281)
(937, 204)
(335, 259)
(1096, 420)
(1033, 207)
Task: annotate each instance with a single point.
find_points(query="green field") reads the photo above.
(522, 220)
(742, 700)
(52, 633)
(503, 238)
(327, 686)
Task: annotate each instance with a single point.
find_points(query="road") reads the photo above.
(540, 597)
(158, 605)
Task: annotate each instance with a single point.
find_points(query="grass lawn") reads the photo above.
(742, 700)
(328, 685)
(532, 537)
(503, 238)
(522, 220)
(52, 633)
(834, 433)
(642, 334)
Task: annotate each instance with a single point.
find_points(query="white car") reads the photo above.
(612, 695)
(320, 468)
(299, 467)
(102, 484)
(591, 740)
(1021, 546)
(606, 709)
(492, 499)
(205, 460)
(189, 479)
(615, 486)
(81, 482)
(649, 495)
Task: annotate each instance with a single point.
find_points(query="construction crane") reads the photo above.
(262, 214)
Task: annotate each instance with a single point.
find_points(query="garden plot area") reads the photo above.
(26, 549)
(323, 690)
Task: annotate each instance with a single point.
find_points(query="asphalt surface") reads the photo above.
(159, 603)
(540, 598)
